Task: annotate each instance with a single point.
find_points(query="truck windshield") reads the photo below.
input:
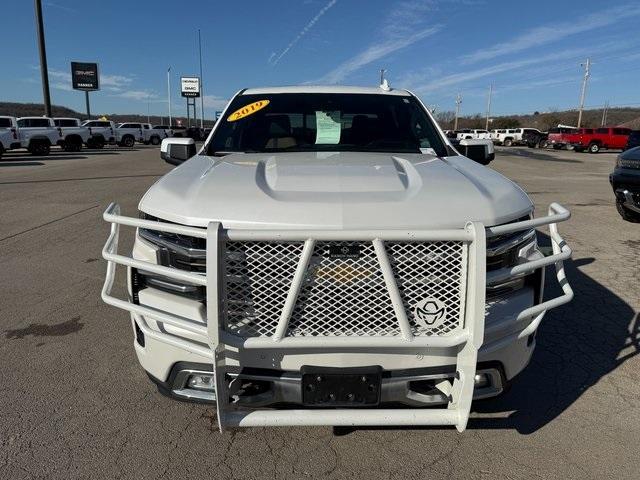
(318, 122)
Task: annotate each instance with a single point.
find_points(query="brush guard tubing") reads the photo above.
(468, 340)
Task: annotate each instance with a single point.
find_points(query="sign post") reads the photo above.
(85, 76)
(190, 89)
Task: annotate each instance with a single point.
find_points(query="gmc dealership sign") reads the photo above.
(84, 76)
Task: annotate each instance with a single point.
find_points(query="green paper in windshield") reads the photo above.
(328, 128)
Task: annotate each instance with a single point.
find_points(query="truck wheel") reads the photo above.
(39, 148)
(543, 144)
(1, 150)
(557, 147)
(578, 149)
(507, 142)
(155, 140)
(73, 145)
(627, 215)
(128, 141)
(594, 148)
(98, 143)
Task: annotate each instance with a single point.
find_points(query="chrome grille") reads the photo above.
(340, 295)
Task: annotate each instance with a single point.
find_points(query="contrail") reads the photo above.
(302, 33)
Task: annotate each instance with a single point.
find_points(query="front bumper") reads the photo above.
(177, 337)
(626, 187)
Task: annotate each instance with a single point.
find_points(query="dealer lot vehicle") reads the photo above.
(103, 132)
(535, 138)
(472, 134)
(8, 134)
(165, 130)
(558, 137)
(127, 134)
(150, 135)
(329, 252)
(74, 135)
(38, 134)
(633, 140)
(594, 140)
(625, 180)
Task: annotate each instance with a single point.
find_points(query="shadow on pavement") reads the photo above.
(536, 154)
(20, 164)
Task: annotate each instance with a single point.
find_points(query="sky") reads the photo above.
(531, 52)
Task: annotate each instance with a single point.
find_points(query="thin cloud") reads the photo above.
(451, 80)
(138, 95)
(275, 58)
(60, 7)
(376, 52)
(404, 25)
(553, 32)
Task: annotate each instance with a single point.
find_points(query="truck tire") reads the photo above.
(39, 147)
(1, 150)
(543, 144)
(155, 140)
(578, 149)
(73, 144)
(557, 147)
(97, 143)
(128, 141)
(627, 215)
(594, 147)
(507, 142)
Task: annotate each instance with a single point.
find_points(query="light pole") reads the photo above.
(587, 71)
(201, 88)
(169, 93)
(486, 127)
(43, 58)
(458, 102)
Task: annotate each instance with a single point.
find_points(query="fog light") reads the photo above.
(481, 380)
(201, 382)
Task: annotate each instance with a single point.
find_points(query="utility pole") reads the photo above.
(148, 108)
(201, 87)
(486, 126)
(587, 71)
(43, 58)
(604, 113)
(169, 93)
(458, 102)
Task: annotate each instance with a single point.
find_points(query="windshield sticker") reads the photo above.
(247, 110)
(328, 128)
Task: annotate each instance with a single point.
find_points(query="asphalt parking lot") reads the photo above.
(75, 404)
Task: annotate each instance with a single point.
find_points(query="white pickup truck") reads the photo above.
(8, 134)
(329, 258)
(129, 133)
(103, 132)
(74, 134)
(472, 134)
(511, 136)
(38, 134)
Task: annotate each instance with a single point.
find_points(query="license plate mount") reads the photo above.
(341, 387)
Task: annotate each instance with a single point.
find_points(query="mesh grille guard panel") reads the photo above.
(341, 295)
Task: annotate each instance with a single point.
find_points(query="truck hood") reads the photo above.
(335, 190)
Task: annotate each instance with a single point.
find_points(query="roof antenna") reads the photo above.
(384, 85)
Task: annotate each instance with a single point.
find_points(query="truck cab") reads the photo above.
(329, 257)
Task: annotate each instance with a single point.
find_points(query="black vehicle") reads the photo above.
(535, 139)
(625, 180)
(196, 133)
(633, 140)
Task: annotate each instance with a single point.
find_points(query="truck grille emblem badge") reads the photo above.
(429, 312)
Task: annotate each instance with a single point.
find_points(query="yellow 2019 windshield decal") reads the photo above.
(247, 110)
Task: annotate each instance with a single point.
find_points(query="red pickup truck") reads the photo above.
(560, 137)
(595, 139)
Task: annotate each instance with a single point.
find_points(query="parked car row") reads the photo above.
(38, 134)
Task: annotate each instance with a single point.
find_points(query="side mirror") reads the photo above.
(177, 150)
(480, 151)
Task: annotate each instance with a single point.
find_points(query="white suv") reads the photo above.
(327, 250)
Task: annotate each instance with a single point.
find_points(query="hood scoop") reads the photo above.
(337, 174)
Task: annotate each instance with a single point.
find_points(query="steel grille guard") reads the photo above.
(469, 338)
